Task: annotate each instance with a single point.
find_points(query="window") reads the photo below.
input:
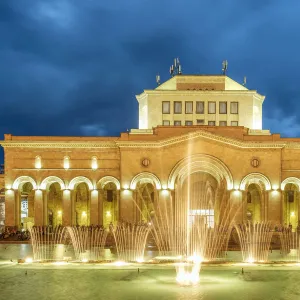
(234, 107)
(166, 123)
(208, 215)
(177, 107)
(211, 107)
(109, 196)
(249, 198)
(211, 123)
(223, 123)
(223, 107)
(290, 196)
(166, 107)
(234, 123)
(188, 123)
(200, 122)
(177, 123)
(200, 107)
(189, 107)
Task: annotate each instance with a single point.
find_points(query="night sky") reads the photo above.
(73, 67)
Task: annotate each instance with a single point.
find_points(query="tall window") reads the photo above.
(110, 195)
(290, 196)
(234, 123)
(234, 107)
(200, 107)
(38, 162)
(211, 107)
(223, 107)
(177, 107)
(188, 107)
(166, 107)
(177, 123)
(166, 122)
(200, 122)
(188, 123)
(211, 123)
(223, 123)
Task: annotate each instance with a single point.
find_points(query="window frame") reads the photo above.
(177, 113)
(210, 124)
(189, 102)
(223, 113)
(166, 121)
(221, 122)
(237, 108)
(203, 111)
(162, 107)
(188, 124)
(177, 121)
(201, 120)
(212, 113)
(234, 125)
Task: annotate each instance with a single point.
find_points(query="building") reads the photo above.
(208, 127)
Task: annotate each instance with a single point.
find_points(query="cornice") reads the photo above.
(55, 145)
(187, 92)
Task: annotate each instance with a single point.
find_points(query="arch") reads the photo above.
(146, 177)
(80, 179)
(293, 180)
(204, 163)
(51, 179)
(24, 179)
(104, 180)
(256, 178)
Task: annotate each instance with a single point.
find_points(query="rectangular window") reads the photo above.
(211, 123)
(109, 195)
(234, 107)
(177, 123)
(200, 107)
(166, 123)
(166, 107)
(223, 107)
(188, 123)
(211, 107)
(189, 107)
(223, 123)
(234, 123)
(177, 107)
(200, 122)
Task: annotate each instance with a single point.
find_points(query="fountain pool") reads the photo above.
(91, 281)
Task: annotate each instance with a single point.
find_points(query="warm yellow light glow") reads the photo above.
(94, 163)
(108, 213)
(185, 277)
(8, 187)
(250, 260)
(84, 260)
(165, 192)
(60, 263)
(126, 186)
(120, 263)
(66, 162)
(140, 260)
(83, 214)
(29, 260)
(292, 214)
(59, 212)
(164, 187)
(275, 187)
(38, 162)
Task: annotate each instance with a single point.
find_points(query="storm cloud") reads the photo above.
(73, 67)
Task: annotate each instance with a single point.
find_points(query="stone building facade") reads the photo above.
(103, 180)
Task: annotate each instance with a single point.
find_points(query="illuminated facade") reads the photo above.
(99, 180)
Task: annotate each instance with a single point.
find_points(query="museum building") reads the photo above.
(208, 128)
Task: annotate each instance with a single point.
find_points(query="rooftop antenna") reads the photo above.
(158, 79)
(245, 81)
(225, 66)
(176, 68)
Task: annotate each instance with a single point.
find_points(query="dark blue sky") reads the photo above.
(73, 67)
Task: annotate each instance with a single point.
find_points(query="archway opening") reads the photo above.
(82, 204)
(253, 203)
(110, 204)
(291, 205)
(146, 200)
(54, 205)
(26, 216)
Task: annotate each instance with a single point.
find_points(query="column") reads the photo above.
(100, 207)
(10, 208)
(94, 207)
(73, 207)
(126, 206)
(38, 208)
(45, 205)
(274, 206)
(67, 208)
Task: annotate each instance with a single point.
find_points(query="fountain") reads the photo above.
(130, 240)
(290, 244)
(255, 240)
(88, 242)
(47, 242)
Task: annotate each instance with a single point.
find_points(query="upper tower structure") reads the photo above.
(214, 100)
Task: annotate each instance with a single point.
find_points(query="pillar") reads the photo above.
(94, 207)
(38, 208)
(274, 206)
(236, 206)
(67, 208)
(126, 206)
(100, 207)
(45, 206)
(10, 208)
